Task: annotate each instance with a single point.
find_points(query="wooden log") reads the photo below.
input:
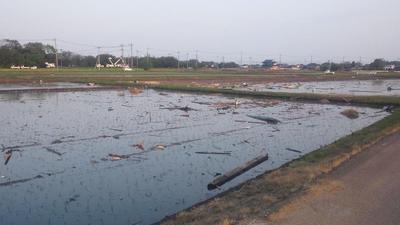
(221, 180)
(266, 119)
(293, 150)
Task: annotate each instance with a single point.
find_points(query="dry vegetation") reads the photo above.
(350, 113)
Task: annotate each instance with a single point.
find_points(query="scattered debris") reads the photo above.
(91, 84)
(7, 156)
(163, 94)
(159, 147)
(350, 113)
(135, 90)
(72, 199)
(293, 150)
(116, 136)
(214, 153)
(93, 162)
(185, 109)
(53, 151)
(15, 148)
(267, 119)
(314, 113)
(325, 101)
(9, 183)
(116, 157)
(58, 141)
(140, 145)
(182, 142)
(346, 100)
(221, 180)
(202, 103)
(115, 129)
(388, 108)
(226, 105)
(245, 121)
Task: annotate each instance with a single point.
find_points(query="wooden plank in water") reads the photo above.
(221, 180)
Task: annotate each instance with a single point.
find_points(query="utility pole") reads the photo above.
(122, 54)
(241, 59)
(137, 60)
(131, 61)
(311, 60)
(197, 58)
(61, 58)
(280, 59)
(98, 58)
(147, 57)
(187, 61)
(178, 59)
(55, 46)
(250, 61)
(223, 62)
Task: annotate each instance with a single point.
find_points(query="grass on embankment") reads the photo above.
(257, 198)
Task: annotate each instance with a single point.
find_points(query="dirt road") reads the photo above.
(364, 190)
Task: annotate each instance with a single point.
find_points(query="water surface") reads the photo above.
(61, 171)
(352, 87)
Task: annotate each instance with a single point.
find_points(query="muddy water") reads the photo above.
(365, 87)
(61, 172)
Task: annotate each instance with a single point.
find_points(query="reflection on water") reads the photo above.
(21, 96)
(110, 157)
(39, 85)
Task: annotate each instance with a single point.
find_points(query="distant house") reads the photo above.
(275, 67)
(390, 67)
(297, 67)
(50, 65)
(312, 66)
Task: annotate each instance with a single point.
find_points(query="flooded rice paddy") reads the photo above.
(113, 157)
(353, 87)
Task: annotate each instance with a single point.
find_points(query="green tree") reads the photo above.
(268, 63)
(377, 64)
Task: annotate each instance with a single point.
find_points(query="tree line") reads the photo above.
(37, 54)
(377, 64)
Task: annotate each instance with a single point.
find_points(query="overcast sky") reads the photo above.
(325, 29)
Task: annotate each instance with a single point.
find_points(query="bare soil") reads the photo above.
(364, 190)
